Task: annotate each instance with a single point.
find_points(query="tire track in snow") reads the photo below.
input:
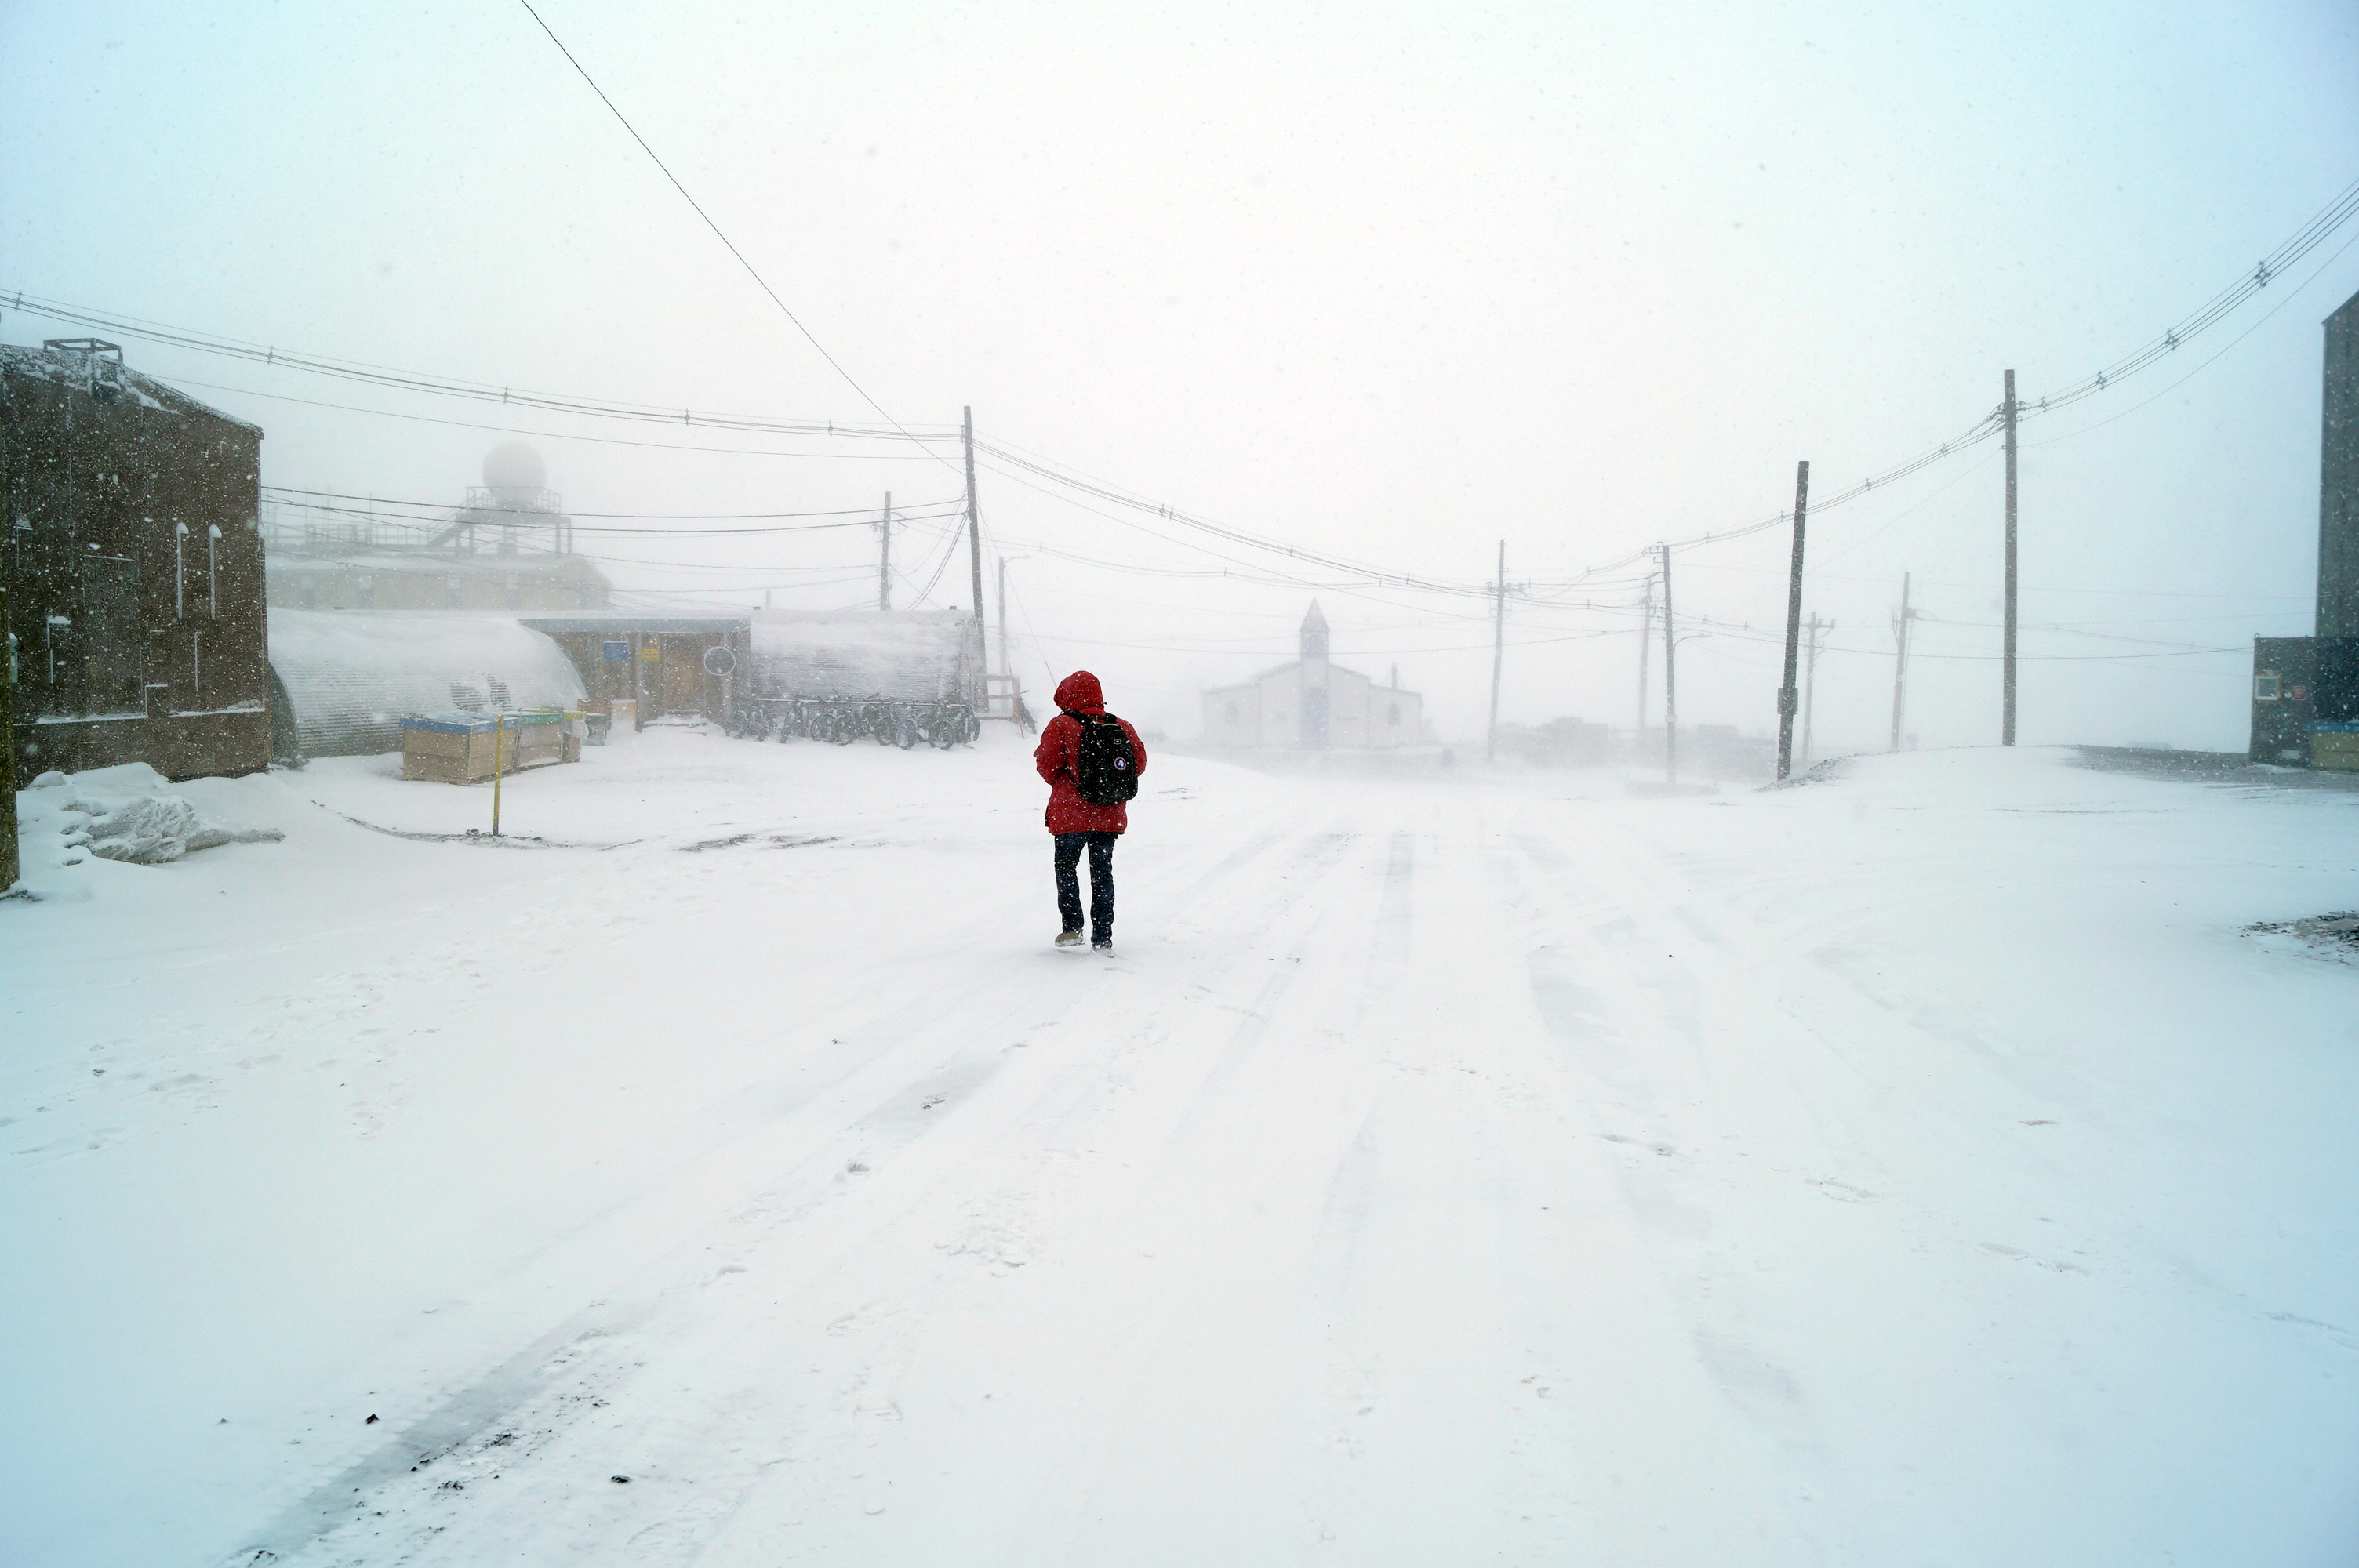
(496, 1399)
(799, 1520)
(1609, 1309)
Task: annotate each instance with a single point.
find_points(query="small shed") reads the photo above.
(350, 678)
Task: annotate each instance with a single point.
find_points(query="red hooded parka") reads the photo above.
(1059, 758)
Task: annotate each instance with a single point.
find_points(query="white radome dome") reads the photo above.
(513, 466)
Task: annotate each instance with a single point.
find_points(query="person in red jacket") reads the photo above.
(1077, 824)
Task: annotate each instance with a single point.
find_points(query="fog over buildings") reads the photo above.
(1390, 285)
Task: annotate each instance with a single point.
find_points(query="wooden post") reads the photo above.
(1787, 696)
(2007, 637)
(1645, 653)
(1004, 667)
(1498, 651)
(1900, 663)
(499, 759)
(1671, 680)
(885, 558)
(974, 537)
(1810, 683)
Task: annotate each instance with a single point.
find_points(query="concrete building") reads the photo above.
(134, 569)
(2306, 689)
(1312, 704)
(2338, 478)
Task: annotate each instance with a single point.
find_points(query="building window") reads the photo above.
(1231, 716)
(1392, 714)
(2264, 687)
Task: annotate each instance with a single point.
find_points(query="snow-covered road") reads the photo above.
(1918, 1167)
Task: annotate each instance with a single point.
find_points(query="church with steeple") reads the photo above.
(1312, 704)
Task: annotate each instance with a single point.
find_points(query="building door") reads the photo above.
(683, 677)
(1314, 716)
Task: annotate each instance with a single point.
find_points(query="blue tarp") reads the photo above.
(460, 721)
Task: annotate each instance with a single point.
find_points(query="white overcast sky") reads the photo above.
(1392, 282)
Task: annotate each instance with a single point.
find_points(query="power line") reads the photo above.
(2290, 296)
(867, 513)
(447, 386)
(709, 223)
(494, 517)
(566, 435)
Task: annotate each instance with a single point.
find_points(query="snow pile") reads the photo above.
(125, 813)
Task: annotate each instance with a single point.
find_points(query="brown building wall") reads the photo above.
(134, 570)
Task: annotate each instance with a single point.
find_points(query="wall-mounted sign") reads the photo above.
(651, 654)
(617, 650)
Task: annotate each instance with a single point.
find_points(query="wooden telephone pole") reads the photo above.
(1671, 680)
(885, 558)
(1645, 652)
(1788, 698)
(974, 532)
(2007, 637)
(1810, 682)
(1900, 662)
(1498, 651)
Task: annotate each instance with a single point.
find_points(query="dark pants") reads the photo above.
(1069, 882)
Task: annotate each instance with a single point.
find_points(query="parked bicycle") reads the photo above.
(838, 721)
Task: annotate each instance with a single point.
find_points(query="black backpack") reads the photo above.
(1108, 773)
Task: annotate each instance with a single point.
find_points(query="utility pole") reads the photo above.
(1671, 680)
(1645, 652)
(1498, 651)
(1810, 682)
(1900, 661)
(1786, 697)
(2007, 637)
(885, 558)
(973, 535)
(1005, 666)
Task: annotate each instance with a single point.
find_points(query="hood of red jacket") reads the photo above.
(1080, 693)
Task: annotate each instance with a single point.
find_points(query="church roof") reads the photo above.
(1314, 622)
